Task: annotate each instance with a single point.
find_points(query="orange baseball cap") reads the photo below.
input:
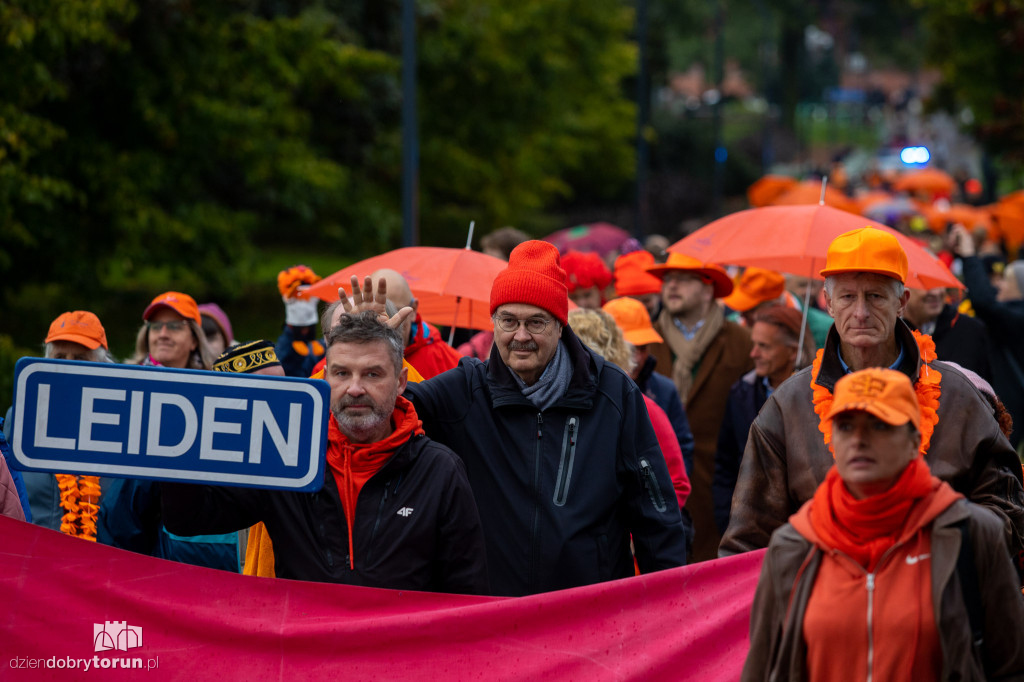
(631, 276)
(754, 287)
(885, 393)
(867, 249)
(78, 326)
(183, 304)
(633, 319)
(709, 272)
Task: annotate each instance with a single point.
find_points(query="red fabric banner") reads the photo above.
(72, 609)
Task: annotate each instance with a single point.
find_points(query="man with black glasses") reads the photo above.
(558, 446)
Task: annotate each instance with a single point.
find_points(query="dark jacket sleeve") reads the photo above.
(1002, 601)
(462, 556)
(129, 515)
(209, 510)
(680, 424)
(727, 466)
(655, 522)
(765, 624)
(760, 502)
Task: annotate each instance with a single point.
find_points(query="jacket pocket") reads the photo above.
(651, 484)
(565, 462)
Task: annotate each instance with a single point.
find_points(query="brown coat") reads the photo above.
(786, 456)
(777, 648)
(724, 362)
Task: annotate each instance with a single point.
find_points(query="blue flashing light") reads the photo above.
(721, 154)
(915, 155)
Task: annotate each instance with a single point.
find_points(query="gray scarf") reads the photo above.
(553, 381)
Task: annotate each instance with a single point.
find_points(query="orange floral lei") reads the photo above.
(80, 499)
(927, 387)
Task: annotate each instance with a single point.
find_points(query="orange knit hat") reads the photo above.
(631, 276)
(534, 276)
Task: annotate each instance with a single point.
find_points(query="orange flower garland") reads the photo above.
(79, 497)
(927, 387)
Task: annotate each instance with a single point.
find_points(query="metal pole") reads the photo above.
(643, 105)
(720, 152)
(410, 129)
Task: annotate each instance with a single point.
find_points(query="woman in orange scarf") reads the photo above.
(863, 582)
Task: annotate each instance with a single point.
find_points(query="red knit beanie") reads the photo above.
(533, 276)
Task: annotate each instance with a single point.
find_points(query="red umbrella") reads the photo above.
(795, 239)
(453, 286)
(601, 238)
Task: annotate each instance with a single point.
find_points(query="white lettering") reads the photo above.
(157, 401)
(135, 423)
(91, 417)
(43, 439)
(211, 426)
(263, 417)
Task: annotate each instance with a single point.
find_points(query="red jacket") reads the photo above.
(428, 352)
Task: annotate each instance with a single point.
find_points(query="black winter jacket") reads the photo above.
(560, 491)
(416, 524)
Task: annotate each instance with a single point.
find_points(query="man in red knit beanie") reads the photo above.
(558, 446)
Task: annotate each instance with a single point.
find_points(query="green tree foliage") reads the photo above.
(147, 145)
(979, 46)
(522, 104)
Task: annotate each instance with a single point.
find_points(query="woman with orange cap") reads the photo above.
(886, 573)
(172, 334)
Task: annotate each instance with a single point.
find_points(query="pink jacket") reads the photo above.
(10, 503)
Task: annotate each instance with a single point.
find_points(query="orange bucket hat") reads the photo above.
(633, 319)
(78, 326)
(709, 272)
(183, 304)
(867, 249)
(885, 393)
(754, 287)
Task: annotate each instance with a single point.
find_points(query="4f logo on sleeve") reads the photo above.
(405, 511)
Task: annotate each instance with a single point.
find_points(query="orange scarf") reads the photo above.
(353, 464)
(928, 388)
(865, 529)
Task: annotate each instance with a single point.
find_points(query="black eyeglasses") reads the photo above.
(172, 326)
(534, 325)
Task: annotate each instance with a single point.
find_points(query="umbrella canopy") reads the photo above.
(767, 188)
(809, 192)
(1008, 219)
(453, 286)
(601, 238)
(795, 240)
(930, 180)
(964, 214)
(892, 211)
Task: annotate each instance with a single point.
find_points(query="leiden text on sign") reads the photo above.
(170, 424)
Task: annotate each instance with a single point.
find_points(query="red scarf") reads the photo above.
(353, 464)
(865, 529)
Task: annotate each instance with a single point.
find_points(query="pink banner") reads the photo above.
(72, 609)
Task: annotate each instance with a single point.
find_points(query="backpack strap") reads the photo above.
(968, 573)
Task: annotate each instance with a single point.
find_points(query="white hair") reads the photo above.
(897, 286)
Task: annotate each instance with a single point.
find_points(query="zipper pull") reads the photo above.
(572, 431)
(871, 582)
(540, 424)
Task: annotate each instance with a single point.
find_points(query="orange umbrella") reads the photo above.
(1008, 222)
(766, 189)
(453, 286)
(795, 239)
(809, 192)
(931, 180)
(964, 214)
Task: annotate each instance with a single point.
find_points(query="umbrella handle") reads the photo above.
(458, 300)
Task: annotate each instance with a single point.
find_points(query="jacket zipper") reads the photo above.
(376, 523)
(534, 577)
(651, 483)
(870, 584)
(565, 467)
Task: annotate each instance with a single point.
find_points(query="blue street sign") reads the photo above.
(170, 424)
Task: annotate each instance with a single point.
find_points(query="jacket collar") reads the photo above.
(832, 369)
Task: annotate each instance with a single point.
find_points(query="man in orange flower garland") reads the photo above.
(67, 502)
(789, 450)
